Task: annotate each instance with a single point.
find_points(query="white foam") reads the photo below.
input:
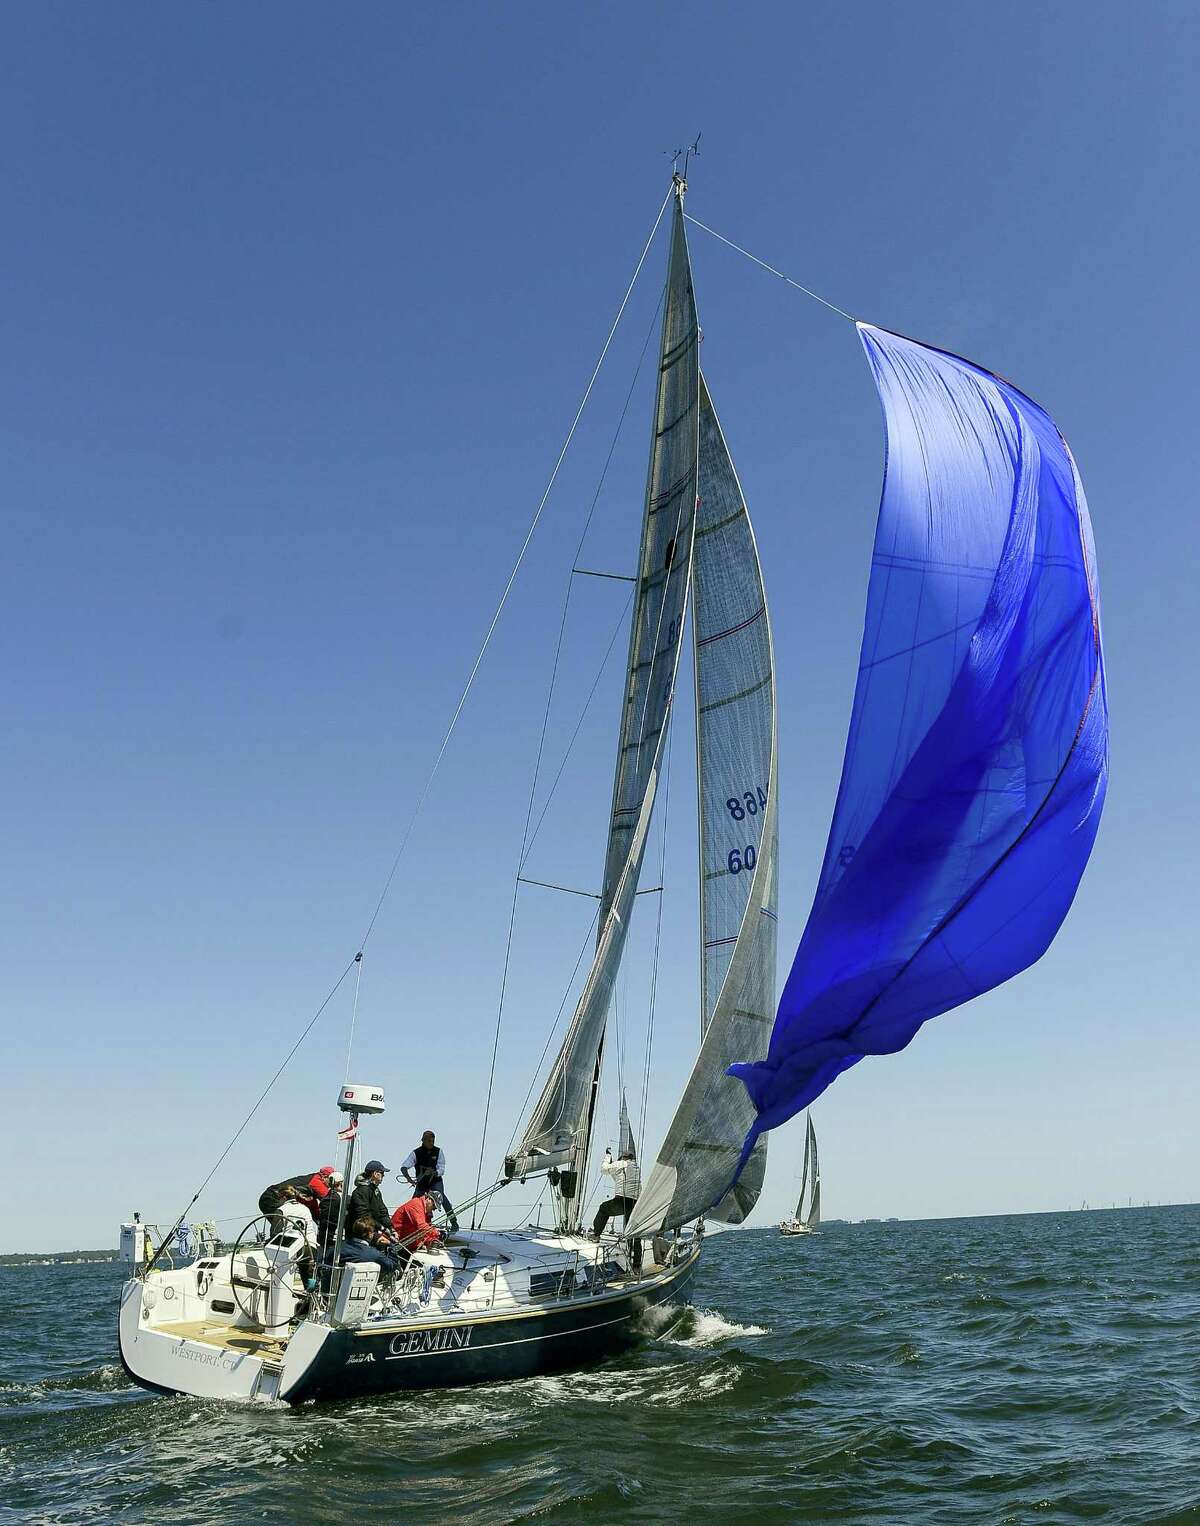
(705, 1327)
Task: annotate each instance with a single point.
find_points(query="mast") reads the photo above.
(584, 1149)
(560, 1128)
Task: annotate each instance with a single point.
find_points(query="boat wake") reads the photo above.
(106, 1379)
(685, 1325)
(658, 1386)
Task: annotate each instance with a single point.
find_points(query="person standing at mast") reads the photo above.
(626, 1176)
(424, 1170)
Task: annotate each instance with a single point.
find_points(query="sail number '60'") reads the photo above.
(748, 803)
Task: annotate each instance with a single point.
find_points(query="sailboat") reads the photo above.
(968, 803)
(507, 1303)
(804, 1221)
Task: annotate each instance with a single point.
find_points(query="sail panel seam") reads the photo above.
(733, 629)
(721, 523)
(716, 704)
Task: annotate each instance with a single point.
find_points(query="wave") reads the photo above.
(109, 1378)
(686, 1325)
(663, 1385)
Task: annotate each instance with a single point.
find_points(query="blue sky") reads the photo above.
(297, 306)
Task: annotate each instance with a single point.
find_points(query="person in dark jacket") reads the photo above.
(359, 1248)
(327, 1214)
(424, 1170)
(366, 1201)
(282, 1201)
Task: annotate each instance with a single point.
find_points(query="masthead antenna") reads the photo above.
(680, 179)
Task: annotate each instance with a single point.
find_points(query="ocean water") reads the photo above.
(1041, 1368)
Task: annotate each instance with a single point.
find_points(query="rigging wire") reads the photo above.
(621, 1014)
(512, 577)
(353, 1016)
(527, 839)
(535, 1205)
(311, 1024)
(529, 849)
(583, 948)
(587, 938)
(808, 292)
(600, 671)
(458, 709)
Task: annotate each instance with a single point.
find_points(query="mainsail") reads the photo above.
(735, 746)
(558, 1127)
(977, 758)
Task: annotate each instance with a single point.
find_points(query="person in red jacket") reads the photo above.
(319, 1184)
(411, 1223)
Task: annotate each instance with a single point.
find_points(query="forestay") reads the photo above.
(558, 1125)
(735, 744)
(977, 758)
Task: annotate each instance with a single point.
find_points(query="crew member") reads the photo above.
(366, 1201)
(424, 1170)
(284, 1200)
(412, 1226)
(318, 1185)
(358, 1246)
(627, 1180)
(327, 1214)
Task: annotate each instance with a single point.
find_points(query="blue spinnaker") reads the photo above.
(977, 756)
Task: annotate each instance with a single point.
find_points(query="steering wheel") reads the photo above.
(260, 1228)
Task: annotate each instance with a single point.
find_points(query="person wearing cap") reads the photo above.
(424, 1169)
(366, 1201)
(318, 1185)
(411, 1221)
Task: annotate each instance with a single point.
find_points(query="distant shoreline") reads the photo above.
(59, 1258)
(106, 1257)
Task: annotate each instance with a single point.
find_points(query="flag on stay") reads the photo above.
(350, 1130)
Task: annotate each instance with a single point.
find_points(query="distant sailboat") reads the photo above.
(801, 1222)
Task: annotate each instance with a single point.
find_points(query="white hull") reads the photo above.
(794, 1227)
